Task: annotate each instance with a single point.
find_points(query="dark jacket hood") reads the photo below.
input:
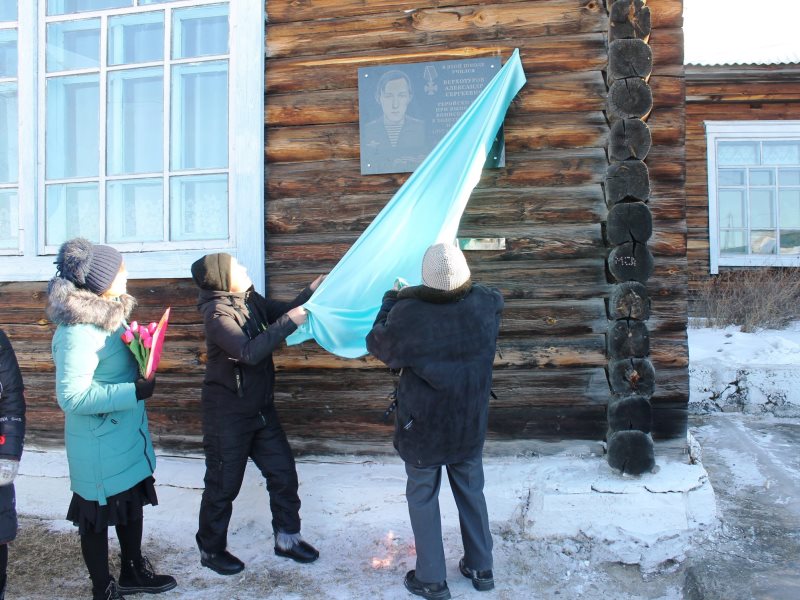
(69, 305)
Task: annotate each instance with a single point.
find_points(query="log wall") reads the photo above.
(548, 202)
(726, 93)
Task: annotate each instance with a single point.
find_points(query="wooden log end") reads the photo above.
(629, 300)
(631, 452)
(629, 139)
(629, 99)
(629, 19)
(628, 339)
(632, 412)
(631, 262)
(632, 376)
(629, 222)
(626, 180)
(629, 58)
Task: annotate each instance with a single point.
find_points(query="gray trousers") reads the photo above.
(422, 493)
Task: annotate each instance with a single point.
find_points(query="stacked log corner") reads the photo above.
(628, 228)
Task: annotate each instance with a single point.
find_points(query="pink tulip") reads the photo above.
(127, 336)
(134, 326)
(151, 327)
(144, 334)
(147, 342)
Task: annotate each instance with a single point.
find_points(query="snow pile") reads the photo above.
(749, 372)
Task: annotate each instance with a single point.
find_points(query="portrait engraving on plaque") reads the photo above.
(406, 109)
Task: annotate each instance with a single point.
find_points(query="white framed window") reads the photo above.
(753, 193)
(133, 123)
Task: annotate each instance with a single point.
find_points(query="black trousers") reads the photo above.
(226, 460)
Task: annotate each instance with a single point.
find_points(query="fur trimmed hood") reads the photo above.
(69, 305)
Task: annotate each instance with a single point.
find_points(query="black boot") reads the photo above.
(110, 592)
(137, 576)
(430, 591)
(292, 545)
(481, 580)
(222, 562)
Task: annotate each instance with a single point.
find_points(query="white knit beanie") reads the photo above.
(444, 267)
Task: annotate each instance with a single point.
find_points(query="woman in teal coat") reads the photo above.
(109, 450)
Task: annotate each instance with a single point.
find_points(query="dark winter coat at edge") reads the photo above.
(240, 375)
(12, 431)
(444, 342)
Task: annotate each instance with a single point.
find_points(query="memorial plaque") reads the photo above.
(405, 109)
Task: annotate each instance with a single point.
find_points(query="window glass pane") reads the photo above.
(135, 211)
(9, 219)
(762, 177)
(789, 177)
(8, 52)
(737, 153)
(732, 242)
(790, 208)
(762, 208)
(200, 116)
(8, 10)
(790, 242)
(72, 210)
(72, 126)
(135, 121)
(9, 140)
(731, 177)
(763, 242)
(731, 208)
(782, 153)
(149, 2)
(200, 31)
(199, 207)
(63, 7)
(136, 38)
(73, 45)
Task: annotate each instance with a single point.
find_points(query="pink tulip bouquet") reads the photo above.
(145, 343)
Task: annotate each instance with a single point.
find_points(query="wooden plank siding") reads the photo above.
(548, 203)
(726, 93)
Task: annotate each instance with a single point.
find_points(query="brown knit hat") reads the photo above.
(89, 266)
(444, 267)
(213, 272)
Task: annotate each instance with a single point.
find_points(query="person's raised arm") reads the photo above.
(226, 333)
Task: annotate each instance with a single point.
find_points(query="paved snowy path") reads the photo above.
(754, 467)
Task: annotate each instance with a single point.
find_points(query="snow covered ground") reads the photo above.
(554, 520)
(564, 524)
(747, 372)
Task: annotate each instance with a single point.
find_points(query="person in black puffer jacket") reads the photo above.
(12, 434)
(442, 337)
(242, 329)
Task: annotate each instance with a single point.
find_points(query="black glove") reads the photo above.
(145, 387)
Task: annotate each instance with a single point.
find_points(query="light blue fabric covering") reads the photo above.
(424, 211)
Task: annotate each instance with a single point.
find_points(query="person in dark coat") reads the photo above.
(12, 434)
(99, 388)
(242, 329)
(441, 335)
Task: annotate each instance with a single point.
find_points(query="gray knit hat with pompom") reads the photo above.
(444, 267)
(89, 266)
